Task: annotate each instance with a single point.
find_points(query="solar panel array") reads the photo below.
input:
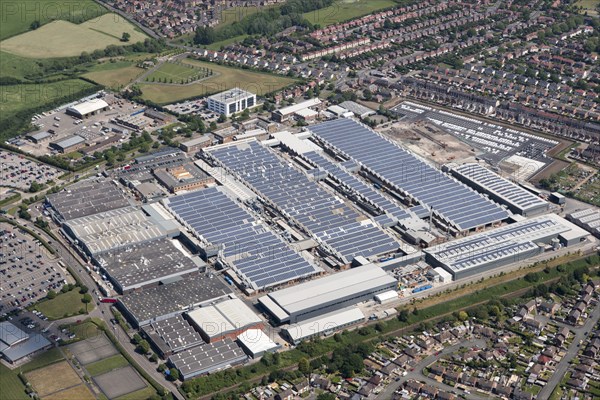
(256, 253)
(331, 222)
(449, 199)
(509, 192)
(360, 188)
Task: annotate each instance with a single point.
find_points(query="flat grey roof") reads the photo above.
(10, 334)
(88, 197)
(23, 349)
(142, 264)
(176, 333)
(158, 301)
(69, 142)
(208, 358)
(231, 95)
(331, 288)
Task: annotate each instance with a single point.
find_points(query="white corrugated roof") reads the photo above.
(257, 341)
(325, 323)
(89, 106)
(297, 107)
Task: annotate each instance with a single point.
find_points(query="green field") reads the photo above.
(142, 394)
(226, 42)
(11, 386)
(65, 303)
(170, 72)
(114, 74)
(589, 7)
(21, 97)
(225, 78)
(106, 365)
(69, 40)
(16, 16)
(236, 14)
(44, 359)
(344, 10)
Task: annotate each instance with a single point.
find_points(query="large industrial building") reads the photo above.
(16, 344)
(323, 325)
(226, 319)
(172, 335)
(231, 101)
(298, 109)
(87, 108)
(505, 245)
(317, 297)
(588, 219)
(453, 205)
(516, 198)
(208, 358)
(87, 198)
(257, 255)
(68, 144)
(137, 265)
(172, 297)
(256, 342)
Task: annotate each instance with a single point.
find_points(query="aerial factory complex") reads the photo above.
(300, 199)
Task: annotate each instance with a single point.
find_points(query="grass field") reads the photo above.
(589, 6)
(138, 395)
(45, 381)
(14, 66)
(114, 74)
(344, 10)
(236, 14)
(106, 365)
(84, 330)
(226, 42)
(80, 392)
(20, 97)
(12, 387)
(70, 39)
(65, 303)
(177, 73)
(48, 357)
(225, 78)
(16, 16)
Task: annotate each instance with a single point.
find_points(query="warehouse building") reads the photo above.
(138, 265)
(85, 198)
(87, 108)
(39, 137)
(323, 325)
(226, 319)
(588, 219)
(317, 297)
(505, 245)
(182, 177)
(114, 229)
(195, 145)
(255, 342)
(68, 144)
(298, 109)
(516, 198)
(172, 297)
(208, 358)
(172, 335)
(231, 101)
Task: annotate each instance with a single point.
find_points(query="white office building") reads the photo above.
(231, 101)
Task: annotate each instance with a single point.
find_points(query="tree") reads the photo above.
(304, 366)
(136, 338)
(51, 294)
(83, 289)
(125, 37)
(143, 347)
(403, 315)
(222, 118)
(173, 374)
(367, 94)
(34, 25)
(326, 396)
(87, 299)
(463, 316)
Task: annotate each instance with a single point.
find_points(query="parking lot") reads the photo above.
(19, 172)
(193, 107)
(26, 270)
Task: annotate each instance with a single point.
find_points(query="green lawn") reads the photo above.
(142, 394)
(588, 6)
(344, 10)
(69, 39)
(236, 14)
(84, 330)
(17, 67)
(226, 42)
(106, 365)
(64, 304)
(114, 75)
(16, 16)
(224, 78)
(170, 72)
(10, 385)
(48, 357)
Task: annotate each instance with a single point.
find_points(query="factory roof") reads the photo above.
(294, 143)
(324, 324)
(159, 301)
(40, 135)
(176, 333)
(69, 141)
(22, 349)
(256, 341)
(505, 190)
(330, 289)
(184, 174)
(230, 95)
(226, 316)
(358, 109)
(86, 198)
(88, 106)
(137, 264)
(196, 141)
(207, 358)
(294, 108)
(115, 228)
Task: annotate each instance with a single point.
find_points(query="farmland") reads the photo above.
(17, 16)
(69, 39)
(345, 10)
(223, 79)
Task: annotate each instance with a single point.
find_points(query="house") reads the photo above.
(321, 383)
(301, 387)
(287, 394)
(413, 386)
(429, 390)
(548, 307)
(437, 369)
